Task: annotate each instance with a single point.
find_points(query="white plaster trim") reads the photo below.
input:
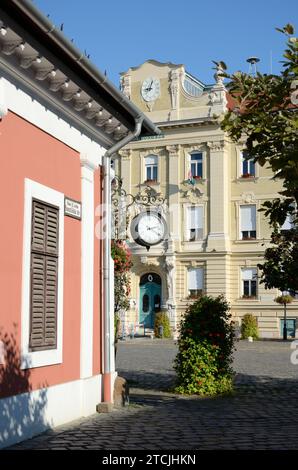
(240, 204)
(29, 108)
(112, 333)
(87, 265)
(239, 153)
(28, 414)
(52, 356)
(3, 106)
(188, 151)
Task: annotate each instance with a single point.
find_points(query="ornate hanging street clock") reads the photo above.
(148, 228)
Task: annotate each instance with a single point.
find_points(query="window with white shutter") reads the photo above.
(195, 223)
(249, 283)
(248, 222)
(195, 282)
(44, 276)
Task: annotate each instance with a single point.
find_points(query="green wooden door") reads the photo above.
(150, 298)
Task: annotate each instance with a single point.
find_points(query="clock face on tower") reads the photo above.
(148, 228)
(150, 89)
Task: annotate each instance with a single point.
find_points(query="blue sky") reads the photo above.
(118, 34)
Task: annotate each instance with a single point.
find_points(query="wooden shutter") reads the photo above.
(39, 215)
(50, 333)
(37, 300)
(44, 276)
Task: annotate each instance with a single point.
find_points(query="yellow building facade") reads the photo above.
(215, 234)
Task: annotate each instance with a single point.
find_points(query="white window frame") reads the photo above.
(250, 161)
(188, 151)
(31, 359)
(240, 222)
(151, 166)
(250, 268)
(187, 219)
(198, 268)
(194, 152)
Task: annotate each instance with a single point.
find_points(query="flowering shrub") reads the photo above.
(122, 265)
(206, 344)
(284, 299)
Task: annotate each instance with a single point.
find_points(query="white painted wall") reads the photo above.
(28, 414)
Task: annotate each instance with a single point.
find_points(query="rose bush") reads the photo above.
(205, 348)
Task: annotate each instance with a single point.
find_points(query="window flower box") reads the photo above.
(249, 297)
(247, 175)
(194, 296)
(151, 182)
(197, 177)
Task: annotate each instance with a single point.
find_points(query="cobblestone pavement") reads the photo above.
(262, 414)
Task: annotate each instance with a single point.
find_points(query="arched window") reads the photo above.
(151, 168)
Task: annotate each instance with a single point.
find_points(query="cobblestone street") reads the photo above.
(261, 415)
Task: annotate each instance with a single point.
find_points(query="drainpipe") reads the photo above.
(108, 309)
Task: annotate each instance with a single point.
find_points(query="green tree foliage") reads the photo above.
(162, 319)
(206, 343)
(265, 114)
(249, 326)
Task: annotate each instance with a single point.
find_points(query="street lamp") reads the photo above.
(285, 331)
(284, 299)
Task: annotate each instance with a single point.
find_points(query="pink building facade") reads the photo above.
(57, 122)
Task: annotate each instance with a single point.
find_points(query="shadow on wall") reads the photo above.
(22, 410)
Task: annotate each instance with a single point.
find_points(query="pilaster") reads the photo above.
(218, 238)
(88, 165)
(173, 192)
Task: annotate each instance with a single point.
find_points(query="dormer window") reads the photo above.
(192, 87)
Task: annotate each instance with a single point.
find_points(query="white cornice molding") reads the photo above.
(125, 154)
(151, 151)
(30, 109)
(173, 149)
(24, 58)
(89, 161)
(216, 146)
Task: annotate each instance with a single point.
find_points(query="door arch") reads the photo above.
(150, 298)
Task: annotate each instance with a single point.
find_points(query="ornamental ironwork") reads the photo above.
(125, 205)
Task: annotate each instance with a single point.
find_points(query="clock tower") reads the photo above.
(155, 88)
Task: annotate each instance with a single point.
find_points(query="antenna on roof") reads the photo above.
(252, 68)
